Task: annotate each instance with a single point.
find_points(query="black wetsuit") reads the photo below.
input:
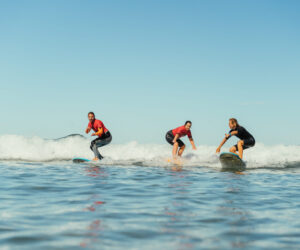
(100, 142)
(244, 135)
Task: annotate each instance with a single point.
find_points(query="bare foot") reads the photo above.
(95, 159)
(177, 161)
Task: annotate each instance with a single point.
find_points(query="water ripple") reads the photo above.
(66, 206)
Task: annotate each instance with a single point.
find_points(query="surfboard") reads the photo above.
(80, 160)
(232, 162)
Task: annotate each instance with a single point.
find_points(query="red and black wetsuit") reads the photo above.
(102, 140)
(181, 131)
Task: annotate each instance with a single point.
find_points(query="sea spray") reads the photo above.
(36, 149)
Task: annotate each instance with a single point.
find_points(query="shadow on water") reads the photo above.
(280, 167)
(294, 166)
(234, 171)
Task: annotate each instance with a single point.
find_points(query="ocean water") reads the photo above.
(135, 199)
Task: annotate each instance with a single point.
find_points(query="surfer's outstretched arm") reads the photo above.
(227, 136)
(192, 142)
(233, 133)
(221, 144)
(88, 129)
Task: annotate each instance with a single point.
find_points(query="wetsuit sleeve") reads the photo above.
(90, 125)
(229, 134)
(189, 134)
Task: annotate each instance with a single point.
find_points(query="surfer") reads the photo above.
(246, 139)
(104, 136)
(173, 136)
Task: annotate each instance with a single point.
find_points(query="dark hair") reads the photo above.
(233, 120)
(91, 113)
(187, 122)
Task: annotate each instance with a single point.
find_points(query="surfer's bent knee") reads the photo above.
(93, 144)
(232, 149)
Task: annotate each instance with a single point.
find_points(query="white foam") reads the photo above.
(14, 147)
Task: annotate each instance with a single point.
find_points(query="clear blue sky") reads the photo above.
(145, 67)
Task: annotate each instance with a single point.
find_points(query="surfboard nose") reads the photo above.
(232, 162)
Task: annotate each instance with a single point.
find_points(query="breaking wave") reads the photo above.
(36, 149)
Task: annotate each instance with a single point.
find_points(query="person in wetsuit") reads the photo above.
(104, 136)
(246, 139)
(173, 136)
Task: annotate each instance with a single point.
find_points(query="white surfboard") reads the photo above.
(232, 162)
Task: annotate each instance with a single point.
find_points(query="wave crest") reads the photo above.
(36, 149)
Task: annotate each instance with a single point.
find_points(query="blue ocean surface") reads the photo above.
(74, 206)
(145, 202)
